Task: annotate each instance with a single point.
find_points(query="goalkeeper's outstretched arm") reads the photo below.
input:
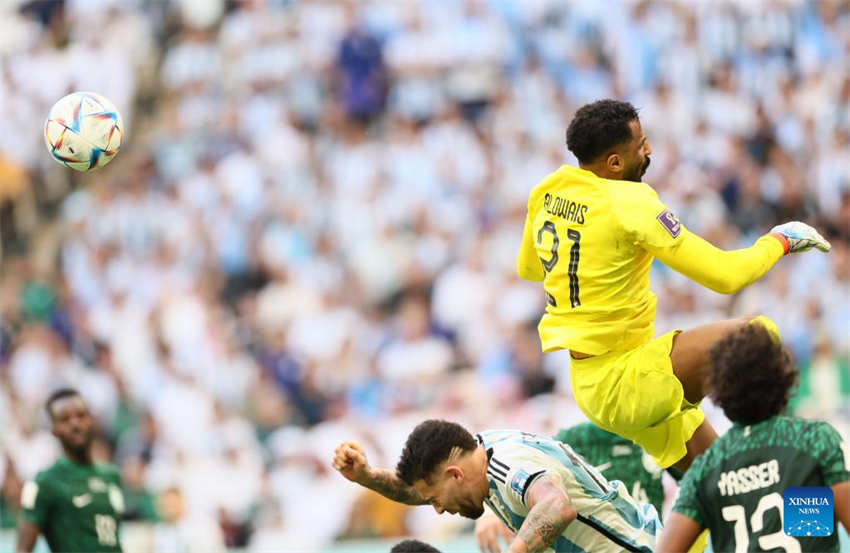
(728, 272)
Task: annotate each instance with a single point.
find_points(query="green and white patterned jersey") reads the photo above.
(735, 488)
(609, 519)
(78, 508)
(617, 459)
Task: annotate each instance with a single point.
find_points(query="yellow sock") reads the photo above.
(768, 325)
(701, 543)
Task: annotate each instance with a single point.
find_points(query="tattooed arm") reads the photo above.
(386, 483)
(350, 461)
(551, 512)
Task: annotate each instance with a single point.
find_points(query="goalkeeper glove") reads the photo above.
(799, 237)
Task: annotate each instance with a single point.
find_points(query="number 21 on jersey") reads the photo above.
(572, 268)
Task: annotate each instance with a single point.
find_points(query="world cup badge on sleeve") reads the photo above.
(670, 222)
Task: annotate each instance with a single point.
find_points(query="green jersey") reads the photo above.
(77, 507)
(735, 488)
(617, 459)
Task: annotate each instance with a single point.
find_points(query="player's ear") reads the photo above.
(614, 162)
(454, 472)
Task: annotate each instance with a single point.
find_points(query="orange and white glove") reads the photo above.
(799, 237)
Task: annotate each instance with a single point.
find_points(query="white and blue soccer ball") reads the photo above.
(83, 131)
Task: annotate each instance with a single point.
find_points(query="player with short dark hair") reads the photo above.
(413, 546)
(601, 126)
(591, 234)
(429, 445)
(540, 488)
(76, 503)
(735, 489)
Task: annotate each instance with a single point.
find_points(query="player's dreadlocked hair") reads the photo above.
(413, 546)
(752, 375)
(599, 127)
(431, 443)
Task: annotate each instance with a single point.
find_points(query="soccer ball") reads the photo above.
(83, 131)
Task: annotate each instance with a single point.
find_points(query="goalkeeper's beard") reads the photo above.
(639, 173)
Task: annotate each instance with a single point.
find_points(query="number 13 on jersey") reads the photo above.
(550, 263)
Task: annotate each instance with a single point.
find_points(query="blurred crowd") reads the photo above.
(310, 233)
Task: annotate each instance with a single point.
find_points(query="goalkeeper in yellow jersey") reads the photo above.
(590, 235)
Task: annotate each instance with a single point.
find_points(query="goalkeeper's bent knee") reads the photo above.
(769, 326)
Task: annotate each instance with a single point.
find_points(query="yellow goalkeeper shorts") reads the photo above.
(636, 395)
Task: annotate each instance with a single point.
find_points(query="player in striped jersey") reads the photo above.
(539, 487)
(615, 457)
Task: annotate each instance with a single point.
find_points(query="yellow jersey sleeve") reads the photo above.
(726, 272)
(644, 219)
(650, 224)
(528, 265)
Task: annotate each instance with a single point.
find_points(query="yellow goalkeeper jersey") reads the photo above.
(592, 240)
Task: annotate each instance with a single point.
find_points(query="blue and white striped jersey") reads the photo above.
(609, 519)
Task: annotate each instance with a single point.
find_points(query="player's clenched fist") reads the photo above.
(350, 461)
(488, 528)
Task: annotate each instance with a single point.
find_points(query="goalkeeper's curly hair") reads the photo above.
(599, 127)
(752, 375)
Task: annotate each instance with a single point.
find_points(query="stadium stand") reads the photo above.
(310, 233)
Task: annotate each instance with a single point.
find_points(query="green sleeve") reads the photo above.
(115, 476)
(37, 497)
(565, 435)
(116, 491)
(579, 435)
(833, 454)
(687, 500)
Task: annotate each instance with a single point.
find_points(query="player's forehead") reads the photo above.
(68, 405)
(637, 131)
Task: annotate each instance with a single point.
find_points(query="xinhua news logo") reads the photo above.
(809, 511)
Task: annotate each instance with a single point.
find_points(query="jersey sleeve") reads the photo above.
(116, 491)
(644, 218)
(687, 500)
(528, 264)
(726, 272)
(833, 454)
(36, 500)
(652, 225)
